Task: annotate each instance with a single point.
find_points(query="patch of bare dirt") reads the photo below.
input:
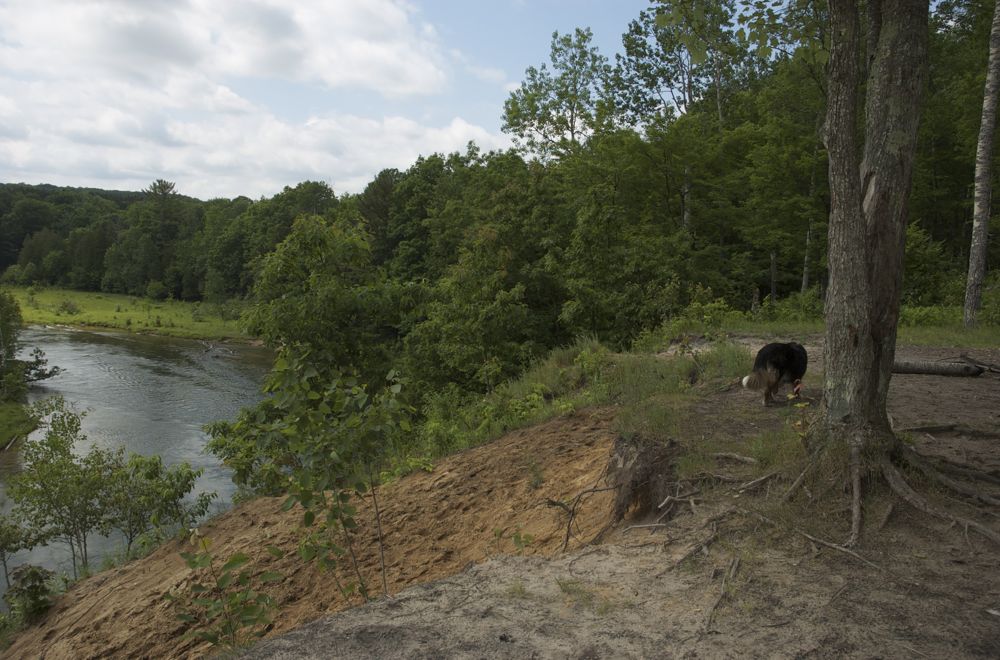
(435, 524)
(714, 582)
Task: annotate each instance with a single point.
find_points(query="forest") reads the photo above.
(688, 170)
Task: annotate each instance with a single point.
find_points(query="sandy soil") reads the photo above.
(460, 591)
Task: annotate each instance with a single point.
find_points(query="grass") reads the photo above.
(15, 422)
(106, 310)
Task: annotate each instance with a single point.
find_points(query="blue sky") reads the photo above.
(231, 97)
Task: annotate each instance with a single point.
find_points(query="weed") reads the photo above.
(30, 593)
(222, 606)
(576, 592)
(535, 476)
(517, 589)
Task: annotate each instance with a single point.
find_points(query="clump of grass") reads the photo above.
(776, 448)
(535, 475)
(654, 419)
(517, 589)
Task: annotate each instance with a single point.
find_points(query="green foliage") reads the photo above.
(556, 385)
(224, 605)
(63, 496)
(322, 436)
(13, 537)
(553, 111)
(142, 495)
(178, 318)
(30, 592)
(57, 491)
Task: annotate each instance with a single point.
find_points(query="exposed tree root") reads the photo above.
(855, 466)
(903, 490)
(918, 461)
(944, 465)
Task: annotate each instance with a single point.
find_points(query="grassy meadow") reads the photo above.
(49, 306)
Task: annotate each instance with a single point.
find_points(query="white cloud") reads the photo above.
(117, 93)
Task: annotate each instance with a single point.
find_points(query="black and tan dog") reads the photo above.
(776, 364)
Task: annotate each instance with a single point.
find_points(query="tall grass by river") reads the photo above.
(49, 306)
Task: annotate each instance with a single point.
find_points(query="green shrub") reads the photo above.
(932, 315)
(30, 593)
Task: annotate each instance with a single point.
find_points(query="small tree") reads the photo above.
(58, 492)
(13, 537)
(143, 494)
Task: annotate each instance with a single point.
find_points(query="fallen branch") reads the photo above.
(799, 480)
(979, 363)
(677, 498)
(728, 575)
(631, 527)
(840, 548)
(571, 511)
(903, 489)
(735, 457)
(756, 482)
(936, 368)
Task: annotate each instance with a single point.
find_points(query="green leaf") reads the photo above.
(237, 560)
(271, 576)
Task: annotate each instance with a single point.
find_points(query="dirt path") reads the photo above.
(935, 593)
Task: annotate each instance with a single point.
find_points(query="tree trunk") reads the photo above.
(774, 277)
(984, 191)
(805, 259)
(869, 203)
(895, 89)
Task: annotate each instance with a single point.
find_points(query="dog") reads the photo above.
(776, 364)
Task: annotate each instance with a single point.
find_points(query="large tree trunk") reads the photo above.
(868, 214)
(984, 191)
(869, 204)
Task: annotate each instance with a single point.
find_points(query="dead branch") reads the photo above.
(728, 575)
(799, 480)
(936, 368)
(914, 459)
(677, 498)
(756, 482)
(840, 548)
(903, 489)
(695, 549)
(735, 457)
(652, 525)
(571, 511)
(979, 363)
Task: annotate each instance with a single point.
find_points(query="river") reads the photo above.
(149, 394)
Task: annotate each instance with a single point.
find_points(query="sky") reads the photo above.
(245, 97)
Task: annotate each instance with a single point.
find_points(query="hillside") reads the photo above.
(727, 576)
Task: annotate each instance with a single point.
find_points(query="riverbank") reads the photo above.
(174, 318)
(15, 422)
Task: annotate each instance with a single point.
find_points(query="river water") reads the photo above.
(149, 394)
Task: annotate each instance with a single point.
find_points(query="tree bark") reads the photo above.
(983, 186)
(869, 202)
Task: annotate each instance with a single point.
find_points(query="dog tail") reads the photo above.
(753, 381)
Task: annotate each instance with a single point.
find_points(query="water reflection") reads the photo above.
(151, 395)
